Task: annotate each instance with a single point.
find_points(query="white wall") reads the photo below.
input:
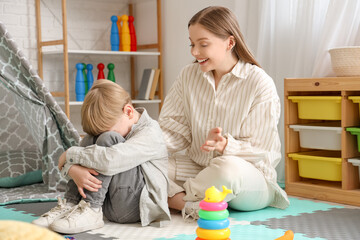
(19, 18)
(176, 15)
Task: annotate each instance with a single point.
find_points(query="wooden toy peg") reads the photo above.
(100, 67)
(119, 28)
(125, 33)
(79, 83)
(89, 75)
(114, 35)
(133, 42)
(111, 75)
(85, 78)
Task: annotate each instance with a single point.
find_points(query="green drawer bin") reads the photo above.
(355, 131)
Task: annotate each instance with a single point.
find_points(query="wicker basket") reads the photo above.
(345, 61)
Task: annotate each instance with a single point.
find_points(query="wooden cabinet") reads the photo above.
(151, 49)
(347, 190)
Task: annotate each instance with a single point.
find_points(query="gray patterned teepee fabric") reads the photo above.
(34, 131)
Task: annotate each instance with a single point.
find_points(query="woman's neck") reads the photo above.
(219, 73)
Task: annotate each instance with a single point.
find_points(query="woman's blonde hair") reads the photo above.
(223, 23)
(102, 107)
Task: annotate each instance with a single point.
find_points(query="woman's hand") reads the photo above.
(83, 178)
(214, 141)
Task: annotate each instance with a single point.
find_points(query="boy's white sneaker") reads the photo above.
(81, 218)
(56, 212)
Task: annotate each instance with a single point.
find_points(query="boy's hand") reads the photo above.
(83, 178)
(214, 141)
(62, 160)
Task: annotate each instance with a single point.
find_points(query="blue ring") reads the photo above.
(213, 224)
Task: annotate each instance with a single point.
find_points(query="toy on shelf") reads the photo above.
(100, 67)
(90, 77)
(133, 41)
(125, 34)
(289, 235)
(80, 83)
(213, 222)
(114, 35)
(85, 78)
(111, 75)
(119, 29)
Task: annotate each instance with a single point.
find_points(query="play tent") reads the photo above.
(34, 130)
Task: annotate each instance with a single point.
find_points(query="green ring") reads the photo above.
(213, 215)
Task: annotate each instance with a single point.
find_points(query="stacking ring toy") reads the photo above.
(213, 234)
(209, 215)
(205, 239)
(210, 206)
(213, 224)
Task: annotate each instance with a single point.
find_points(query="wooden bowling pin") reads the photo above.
(100, 67)
(119, 28)
(114, 35)
(79, 83)
(133, 42)
(90, 77)
(85, 78)
(125, 34)
(111, 75)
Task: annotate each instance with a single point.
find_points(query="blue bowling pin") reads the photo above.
(114, 35)
(90, 77)
(80, 83)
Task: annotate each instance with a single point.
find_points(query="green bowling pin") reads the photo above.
(111, 75)
(85, 79)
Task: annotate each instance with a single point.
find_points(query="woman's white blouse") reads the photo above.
(245, 105)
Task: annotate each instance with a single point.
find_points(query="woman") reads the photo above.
(223, 110)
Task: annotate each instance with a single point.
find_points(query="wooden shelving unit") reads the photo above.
(347, 191)
(155, 50)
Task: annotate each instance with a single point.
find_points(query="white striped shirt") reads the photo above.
(245, 105)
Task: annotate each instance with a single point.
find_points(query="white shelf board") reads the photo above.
(134, 101)
(97, 52)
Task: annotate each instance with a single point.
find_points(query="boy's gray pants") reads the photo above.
(119, 195)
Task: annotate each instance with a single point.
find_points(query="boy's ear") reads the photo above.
(129, 110)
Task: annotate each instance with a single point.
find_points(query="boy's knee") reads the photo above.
(87, 141)
(109, 138)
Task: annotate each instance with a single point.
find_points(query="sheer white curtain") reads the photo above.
(291, 38)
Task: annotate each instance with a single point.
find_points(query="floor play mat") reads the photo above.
(309, 220)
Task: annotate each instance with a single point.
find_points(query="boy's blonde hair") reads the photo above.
(102, 107)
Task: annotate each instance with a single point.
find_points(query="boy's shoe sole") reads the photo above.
(77, 230)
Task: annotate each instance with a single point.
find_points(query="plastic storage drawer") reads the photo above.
(356, 163)
(355, 99)
(355, 131)
(318, 107)
(323, 165)
(320, 136)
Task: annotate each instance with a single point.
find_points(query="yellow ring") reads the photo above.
(213, 234)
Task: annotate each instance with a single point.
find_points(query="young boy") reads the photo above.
(121, 163)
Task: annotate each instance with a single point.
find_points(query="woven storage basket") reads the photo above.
(345, 61)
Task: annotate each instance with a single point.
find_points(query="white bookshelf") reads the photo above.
(97, 52)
